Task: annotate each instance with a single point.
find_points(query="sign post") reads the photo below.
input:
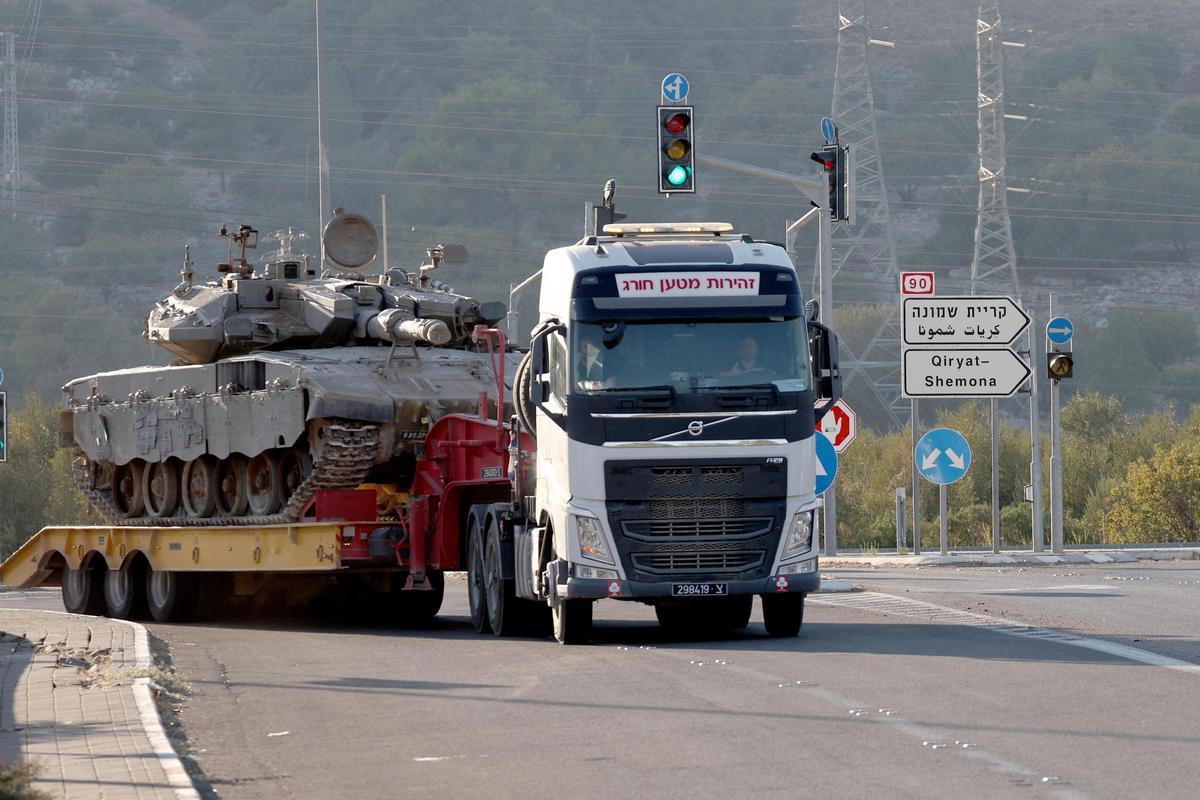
(942, 456)
(1059, 335)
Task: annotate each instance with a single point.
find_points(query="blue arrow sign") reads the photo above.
(1059, 330)
(1, 377)
(828, 130)
(675, 87)
(942, 456)
(827, 463)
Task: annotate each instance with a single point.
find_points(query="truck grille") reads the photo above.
(691, 561)
(713, 527)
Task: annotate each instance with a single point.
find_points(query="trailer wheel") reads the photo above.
(172, 596)
(83, 588)
(416, 607)
(572, 621)
(125, 590)
(783, 614)
(476, 592)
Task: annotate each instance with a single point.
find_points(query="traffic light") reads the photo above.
(835, 160)
(3, 427)
(1060, 366)
(676, 155)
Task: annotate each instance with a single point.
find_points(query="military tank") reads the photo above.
(286, 381)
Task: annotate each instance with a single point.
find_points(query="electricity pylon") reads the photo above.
(867, 247)
(11, 167)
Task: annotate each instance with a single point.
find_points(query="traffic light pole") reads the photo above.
(1056, 478)
(825, 276)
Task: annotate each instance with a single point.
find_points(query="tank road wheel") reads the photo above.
(296, 465)
(127, 488)
(172, 596)
(83, 588)
(265, 480)
(783, 614)
(160, 488)
(125, 590)
(476, 591)
(199, 488)
(233, 487)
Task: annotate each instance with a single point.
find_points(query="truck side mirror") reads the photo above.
(812, 310)
(827, 376)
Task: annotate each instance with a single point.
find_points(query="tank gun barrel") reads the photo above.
(395, 326)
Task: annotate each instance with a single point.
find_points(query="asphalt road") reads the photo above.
(880, 696)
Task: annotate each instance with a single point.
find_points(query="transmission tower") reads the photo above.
(994, 263)
(867, 247)
(12, 161)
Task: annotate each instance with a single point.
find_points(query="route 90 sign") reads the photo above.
(916, 283)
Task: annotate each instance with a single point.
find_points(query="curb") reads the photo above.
(960, 559)
(177, 775)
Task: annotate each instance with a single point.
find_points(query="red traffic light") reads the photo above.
(828, 164)
(677, 123)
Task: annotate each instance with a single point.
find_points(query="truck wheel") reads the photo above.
(83, 588)
(572, 621)
(416, 607)
(783, 613)
(476, 592)
(172, 596)
(125, 591)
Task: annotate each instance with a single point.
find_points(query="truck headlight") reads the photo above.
(592, 543)
(799, 535)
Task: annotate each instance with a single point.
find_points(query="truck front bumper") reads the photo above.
(644, 590)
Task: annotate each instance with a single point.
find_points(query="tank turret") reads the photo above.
(285, 305)
(291, 376)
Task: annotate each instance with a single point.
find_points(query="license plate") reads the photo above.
(699, 589)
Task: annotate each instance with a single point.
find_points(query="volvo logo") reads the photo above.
(695, 427)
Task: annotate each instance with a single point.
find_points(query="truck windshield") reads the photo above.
(690, 356)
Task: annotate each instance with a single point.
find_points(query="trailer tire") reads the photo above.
(783, 614)
(572, 620)
(172, 596)
(83, 588)
(419, 607)
(476, 592)
(125, 590)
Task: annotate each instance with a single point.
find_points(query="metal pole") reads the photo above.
(901, 533)
(1056, 486)
(995, 477)
(824, 271)
(322, 157)
(383, 223)
(916, 478)
(945, 539)
(1035, 446)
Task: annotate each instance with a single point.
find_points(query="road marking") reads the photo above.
(891, 604)
(930, 738)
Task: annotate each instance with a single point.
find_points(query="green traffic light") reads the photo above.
(678, 175)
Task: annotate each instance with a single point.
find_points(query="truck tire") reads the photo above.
(508, 615)
(83, 588)
(572, 621)
(783, 614)
(125, 590)
(476, 592)
(172, 596)
(420, 606)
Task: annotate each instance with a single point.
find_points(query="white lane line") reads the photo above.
(928, 737)
(890, 604)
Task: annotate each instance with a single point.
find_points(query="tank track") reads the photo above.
(347, 455)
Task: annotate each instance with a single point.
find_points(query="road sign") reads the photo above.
(827, 464)
(942, 456)
(918, 283)
(675, 88)
(1059, 330)
(962, 320)
(1, 377)
(840, 425)
(962, 372)
(828, 130)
